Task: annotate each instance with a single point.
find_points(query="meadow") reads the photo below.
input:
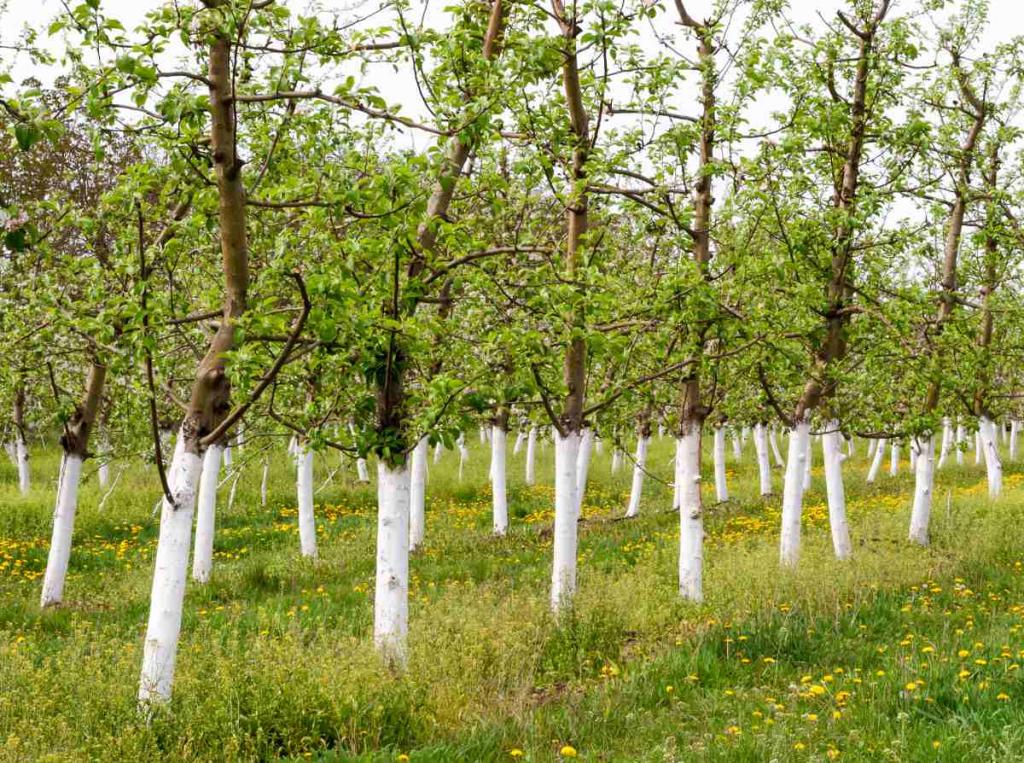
(902, 653)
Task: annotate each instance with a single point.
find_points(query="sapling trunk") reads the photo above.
(417, 494)
(721, 489)
(391, 594)
(563, 571)
(304, 488)
(531, 457)
(924, 488)
(876, 461)
(206, 509)
(793, 493)
(500, 499)
(642, 443)
(764, 466)
(691, 523)
(833, 460)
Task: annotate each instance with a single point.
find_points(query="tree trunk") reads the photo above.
(691, 524)
(500, 499)
(531, 456)
(563, 575)
(990, 448)
(583, 467)
(417, 494)
(831, 444)
(924, 488)
(721, 489)
(304, 489)
(643, 440)
(391, 594)
(876, 462)
(764, 466)
(793, 493)
(202, 557)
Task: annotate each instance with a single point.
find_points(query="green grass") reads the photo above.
(855, 661)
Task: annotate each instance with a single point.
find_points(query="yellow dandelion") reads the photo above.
(567, 751)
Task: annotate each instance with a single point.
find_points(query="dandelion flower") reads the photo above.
(567, 751)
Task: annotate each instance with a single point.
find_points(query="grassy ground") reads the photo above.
(901, 654)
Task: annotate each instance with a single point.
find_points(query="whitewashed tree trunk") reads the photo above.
(531, 456)
(63, 528)
(1014, 429)
(304, 487)
(637, 487)
(961, 437)
(598, 445)
(520, 441)
(793, 493)
(418, 494)
(160, 649)
(978, 448)
(764, 466)
(913, 455)
(808, 462)
(894, 458)
(227, 457)
(774, 442)
(103, 473)
(993, 464)
(206, 513)
(463, 453)
(21, 458)
(10, 449)
(876, 461)
(498, 467)
(737, 446)
(946, 442)
(563, 568)
(616, 460)
(691, 520)
(583, 467)
(391, 594)
(872, 445)
(438, 449)
(924, 489)
(831, 445)
(362, 471)
(263, 481)
(721, 489)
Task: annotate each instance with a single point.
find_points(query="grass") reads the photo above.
(900, 654)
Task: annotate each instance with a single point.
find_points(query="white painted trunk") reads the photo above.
(500, 499)
(737, 446)
(993, 464)
(872, 445)
(418, 494)
(721, 489)
(661, 431)
(876, 461)
(946, 442)
(206, 512)
(361, 470)
(227, 457)
(170, 572)
(304, 488)
(913, 455)
(103, 474)
(764, 466)
(1014, 429)
(438, 450)
(616, 460)
(21, 458)
(583, 467)
(63, 528)
(636, 490)
(978, 448)
(263, 482)
(463, 454)
(850, 447)
(808, 461)
(531, 456)
(894, 458)
(11, 453)
(292, 445)
(691, 520)
(961, 436)
(563, 567)
(924, 489)
(598, 445)
(391, 593)
(793, 493)
(520, 441)
(832, 450)
(774, 442)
